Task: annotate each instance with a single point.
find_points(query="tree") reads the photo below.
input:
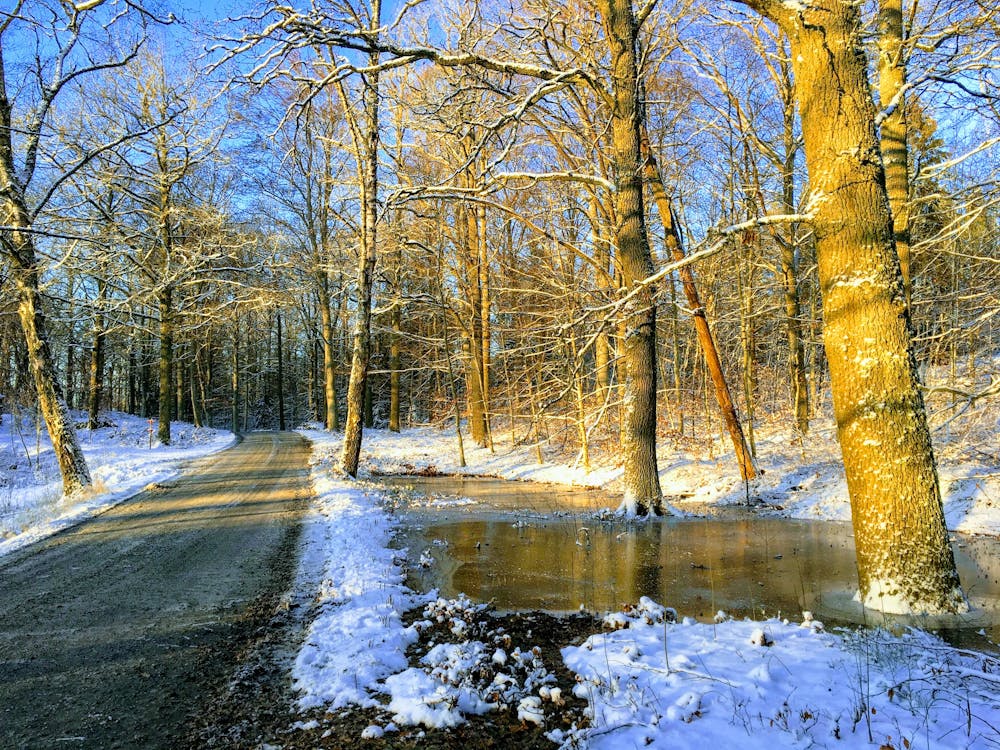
(366, 143)
(69, 54)
(892, 61)
(878, 406)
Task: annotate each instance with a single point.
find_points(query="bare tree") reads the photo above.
(68, 56)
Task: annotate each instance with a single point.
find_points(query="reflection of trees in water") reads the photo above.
(695, 566)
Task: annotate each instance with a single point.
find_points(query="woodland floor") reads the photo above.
(257, 710)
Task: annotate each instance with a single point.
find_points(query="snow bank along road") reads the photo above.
(114, 632)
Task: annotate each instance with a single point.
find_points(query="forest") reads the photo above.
(595, 226)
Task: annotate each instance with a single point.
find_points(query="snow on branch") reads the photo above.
(568, 176)
(722, 236)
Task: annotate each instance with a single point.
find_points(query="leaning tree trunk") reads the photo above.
(368, 154)
(641, 480)
(17, 244)
(706, 341)
(905, 563)
(24, 271)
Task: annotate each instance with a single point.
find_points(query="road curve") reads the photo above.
(113, 633)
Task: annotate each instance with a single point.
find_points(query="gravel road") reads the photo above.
(115, 634)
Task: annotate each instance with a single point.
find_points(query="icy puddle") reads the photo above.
(533, 546)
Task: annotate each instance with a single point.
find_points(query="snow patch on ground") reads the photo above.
(122, 461)
(779, 684)
(357, 637)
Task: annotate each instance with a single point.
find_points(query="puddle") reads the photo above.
(531, 546)
(490, 493)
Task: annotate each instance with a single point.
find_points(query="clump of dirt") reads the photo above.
(257, 710)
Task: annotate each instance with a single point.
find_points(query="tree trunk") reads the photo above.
(331, 420)
(640, 478)
(484, 320)
(281, 376)
(395, 322)
(789, 266)
(72, 464)
(891, 80)
(367, 153)
(709, 350)
(97, 357)
(19, 247)
(163, 299)
(905, 563)
(469, 231)
(234, 380)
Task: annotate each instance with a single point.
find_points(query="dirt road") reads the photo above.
(115, 633)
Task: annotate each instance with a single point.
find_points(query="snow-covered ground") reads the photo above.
(658, 678)
(122, 460)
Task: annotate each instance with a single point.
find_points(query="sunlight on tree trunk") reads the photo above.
(641, 479)
(905, 562)
(367, 152)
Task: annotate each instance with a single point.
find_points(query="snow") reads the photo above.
(652, 677)
(357, 637)
(776, 684)
(122, 461)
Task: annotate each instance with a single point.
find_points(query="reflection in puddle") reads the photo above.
(752, 567)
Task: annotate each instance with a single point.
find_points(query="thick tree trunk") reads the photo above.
(891, 80)
(72, 464)
(641, 480)
(469, 232)
(164, 301)
(705, 339)
(905, 563)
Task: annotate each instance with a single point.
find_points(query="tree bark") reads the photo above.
(367, 154)
(234, 381)
(905, 563)
(281, 375)
(640, 478)
(331, 420)
(789, 266)
(18, 245)
(163, 299)
(72, 464)
(469, 233)
(97, 358)
(395, 322)
(891, 80)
